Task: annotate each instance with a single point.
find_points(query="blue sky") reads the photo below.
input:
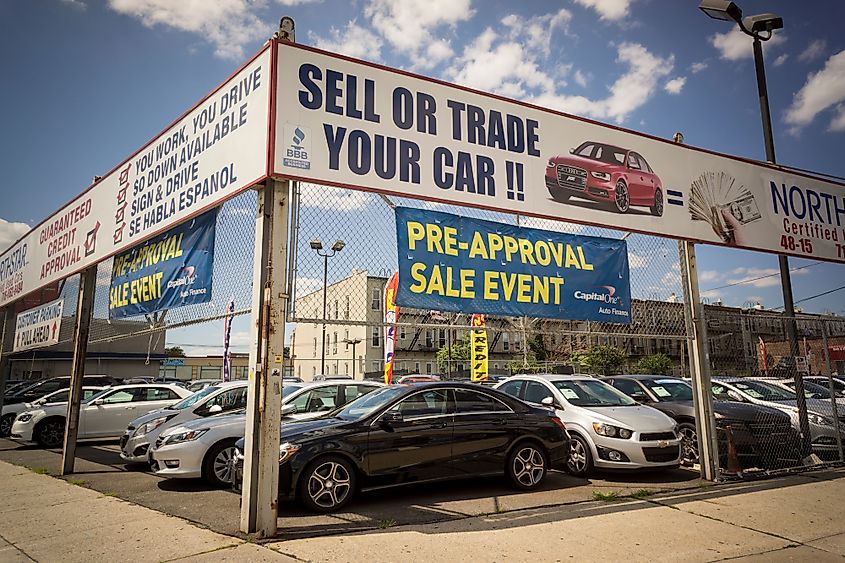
(87, 82)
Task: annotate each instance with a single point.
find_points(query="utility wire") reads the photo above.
(749, 280)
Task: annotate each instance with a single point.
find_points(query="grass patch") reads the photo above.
(77, 482)
(40, 470)
(109, 494)
(643, 493)
(385, 524)
(611, 496)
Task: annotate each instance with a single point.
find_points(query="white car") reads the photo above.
(10, 412)
(102, 416)
(203, 448)
(214, 399)
(608, 429)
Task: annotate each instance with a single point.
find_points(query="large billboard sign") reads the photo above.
(347, 123)
(213, 152)
(452, 263)
(170, 270)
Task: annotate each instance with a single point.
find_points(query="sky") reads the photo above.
(87, 82)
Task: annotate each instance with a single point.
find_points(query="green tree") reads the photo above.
(656, 364)
(537, 346)
(460, 351)
(174, 352)
(601, 359)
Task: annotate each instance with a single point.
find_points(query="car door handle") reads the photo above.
(441, 425)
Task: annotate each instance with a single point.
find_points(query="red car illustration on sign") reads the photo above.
(611, 175)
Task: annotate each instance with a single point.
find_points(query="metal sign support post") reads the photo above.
(84, 309)
(3, 359)
(699, 356)
(264, 402)
(830, 387)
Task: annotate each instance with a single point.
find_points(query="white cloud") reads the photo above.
(304, 286)
(771, 278)
(229, 25)
(709, 276)
(10, 232)
(409, 25)
(612, 10)
(815, 50)
(338, 199)
(629, 92)
(781, 59)
(695, 68)
(735, 45)
(78, 4)
(823, 89)
(581, 78)
(353, 40)
(675, 85)
(637, 261)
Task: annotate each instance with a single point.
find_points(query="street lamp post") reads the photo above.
(353, 341)
(760, 28)
(317, 246)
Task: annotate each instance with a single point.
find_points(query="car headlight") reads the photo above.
(151, 425)
(286, 451)
(819, 419)
(184, 435)
(24, 417)
(601, 176)
(611, 431)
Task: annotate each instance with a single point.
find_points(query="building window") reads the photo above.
(428, 368)
(416, 367)
(346, 309)
(299, 371)
(441, 338)
(428, 341)
(313, 371)
(376, 301)
(346, 338)
(335, 310)
(376, 336)
(402, 333)
(376, 366)
(506, 342)
(334, 346)
(315, 347)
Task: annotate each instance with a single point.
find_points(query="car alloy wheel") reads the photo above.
(222, 469)
(580, 461)
(328, 484)
(527, 466)
(215, 467)
(623, 200)
(657, 208)
(6, 424)
(689, 444)
(51, 434)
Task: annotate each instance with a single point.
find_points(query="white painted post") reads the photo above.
(266, 361)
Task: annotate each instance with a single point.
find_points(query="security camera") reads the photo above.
(762, 23)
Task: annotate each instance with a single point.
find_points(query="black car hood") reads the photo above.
(722, 409)
(304, 430)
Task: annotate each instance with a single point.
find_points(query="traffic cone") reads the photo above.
(734, 467)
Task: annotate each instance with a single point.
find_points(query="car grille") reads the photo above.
(652, 436)
(764, 429)
(662, 455)
(571, 177)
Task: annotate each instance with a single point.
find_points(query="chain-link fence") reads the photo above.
(184, 343)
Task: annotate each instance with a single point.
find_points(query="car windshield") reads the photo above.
(289, 388)
(592, 393)
(366, 404)
(670, 390)
(764, 391)
(192, 400)
(811, 390)
(26, 388)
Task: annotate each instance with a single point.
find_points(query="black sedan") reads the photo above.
(410, 434)
(764, 437)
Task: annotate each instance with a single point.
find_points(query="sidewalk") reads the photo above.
(787, 519)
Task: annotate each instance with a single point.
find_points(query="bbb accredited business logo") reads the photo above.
(297, 143)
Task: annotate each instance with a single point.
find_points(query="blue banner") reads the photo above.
(171, 270)
(452, 263)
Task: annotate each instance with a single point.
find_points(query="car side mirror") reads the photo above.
(572, 150)
(640, 397)
(289, 409)
(548, 402)
(390, 418)
(98, 402)
(214, 409)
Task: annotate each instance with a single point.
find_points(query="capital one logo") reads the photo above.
(608, 296)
